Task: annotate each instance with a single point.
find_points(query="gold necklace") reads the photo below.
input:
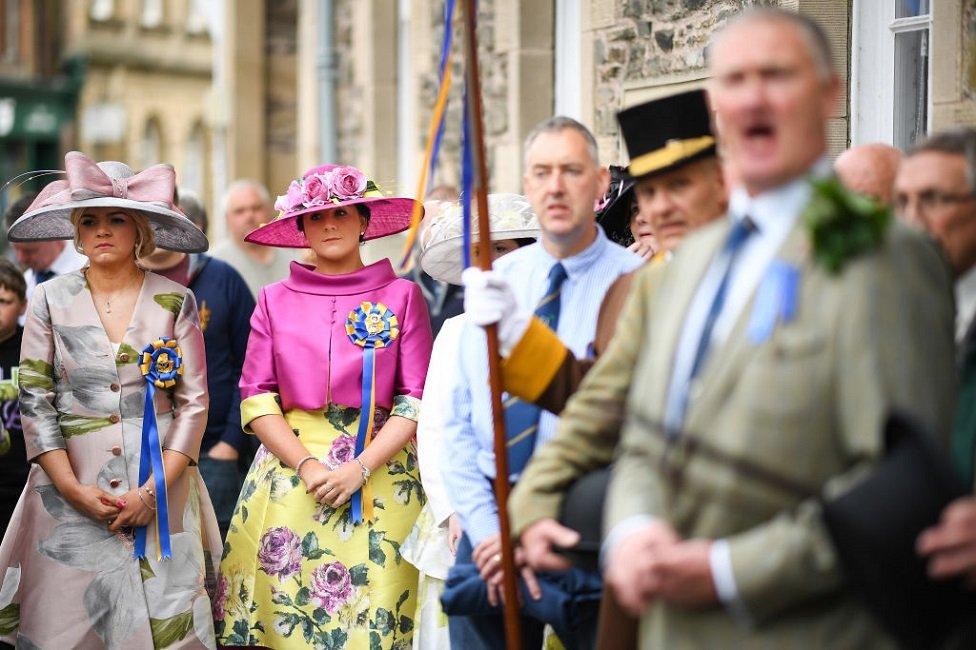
(108, 299)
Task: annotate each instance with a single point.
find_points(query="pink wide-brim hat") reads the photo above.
(327, 187)
(109, 184)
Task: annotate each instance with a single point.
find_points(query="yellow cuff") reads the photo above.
(406, 406)
(534, 361)
(257, 405)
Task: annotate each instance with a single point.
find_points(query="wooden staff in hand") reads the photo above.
(511, 602)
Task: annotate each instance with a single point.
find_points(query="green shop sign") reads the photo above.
(22, 118)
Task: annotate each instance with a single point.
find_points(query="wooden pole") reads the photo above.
(512, 634)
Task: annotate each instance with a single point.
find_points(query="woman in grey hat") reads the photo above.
(433, 541)
(115, 525)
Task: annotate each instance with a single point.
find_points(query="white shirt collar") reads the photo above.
(777, 209)
(965, 302)
(69, 260)
(582, 261)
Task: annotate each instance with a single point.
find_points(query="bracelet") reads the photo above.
(149, 490)
(366, 472)
(298, 467)
(148, 505)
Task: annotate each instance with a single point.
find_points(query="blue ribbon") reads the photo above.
(467, 181)
(365, 419)
(161, 364)
(775, 302)
(369, 326)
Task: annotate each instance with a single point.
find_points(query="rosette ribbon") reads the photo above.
(161, 364)
(370, 326)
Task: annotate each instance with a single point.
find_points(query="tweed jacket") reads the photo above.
(784, 421)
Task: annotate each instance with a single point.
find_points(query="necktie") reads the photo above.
(43, 276)
(522, 418)
(737, 236)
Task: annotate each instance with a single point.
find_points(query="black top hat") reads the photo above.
(614, 216)
(874, 527)
(664, 134)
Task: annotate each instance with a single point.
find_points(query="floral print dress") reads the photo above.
(296, 573)
(65, 580)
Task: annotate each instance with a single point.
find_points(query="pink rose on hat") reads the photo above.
(317, 189)
(293, 198)
(348, 183)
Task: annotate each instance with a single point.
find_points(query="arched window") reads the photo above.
(152, 13)
(151, 149)
(193, 174)
(197, 17)
(101, 10)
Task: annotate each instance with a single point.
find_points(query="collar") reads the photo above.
(305, 279)
(69, 260)
(965, 291)
(582, 261)
(777, 209)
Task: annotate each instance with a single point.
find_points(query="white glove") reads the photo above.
(488, 299)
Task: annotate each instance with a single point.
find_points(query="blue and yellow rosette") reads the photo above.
(370, 326)
(161, 364)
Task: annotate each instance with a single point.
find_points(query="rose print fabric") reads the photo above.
(298, 574)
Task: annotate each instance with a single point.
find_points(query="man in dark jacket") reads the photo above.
(225, 305)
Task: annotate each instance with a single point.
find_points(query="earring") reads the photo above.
(362, 237)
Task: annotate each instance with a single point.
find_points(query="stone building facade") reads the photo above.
(590, 58)
(38, 93)
(146, 83)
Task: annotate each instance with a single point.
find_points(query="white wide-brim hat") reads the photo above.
(511, 217)
(109, 184)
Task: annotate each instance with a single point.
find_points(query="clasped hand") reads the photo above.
(487, 556)
(126, 511)
(332, 487)
(654, 562)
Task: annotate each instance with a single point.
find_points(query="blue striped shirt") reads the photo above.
(469, 458)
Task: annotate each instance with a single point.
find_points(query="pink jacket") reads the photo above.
(300, 357)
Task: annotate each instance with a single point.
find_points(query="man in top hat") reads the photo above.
(677, 190)
(734, 408)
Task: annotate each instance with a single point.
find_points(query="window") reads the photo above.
(101, 10)
(890, 71)
(197, 17)
(152, 14)
(194, 164)
(10, 31)
(152, 145)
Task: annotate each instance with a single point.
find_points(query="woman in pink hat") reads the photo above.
(331, 386)
(114, 540)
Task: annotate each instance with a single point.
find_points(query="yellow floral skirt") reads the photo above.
(298, 574)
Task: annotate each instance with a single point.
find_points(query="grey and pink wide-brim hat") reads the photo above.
(109, 184)
(510, 216)
(327, 187)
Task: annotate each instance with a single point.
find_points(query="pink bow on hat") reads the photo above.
(86, 180)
